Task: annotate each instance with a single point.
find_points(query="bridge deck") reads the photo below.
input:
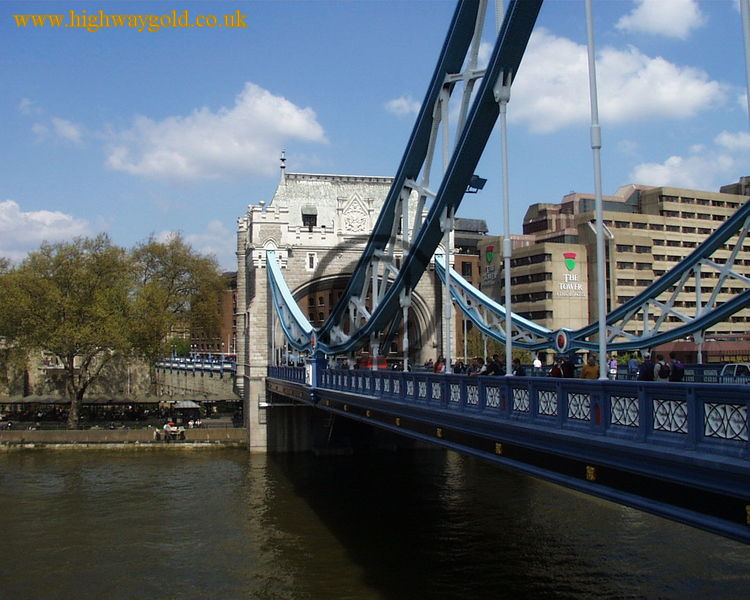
(678, 450)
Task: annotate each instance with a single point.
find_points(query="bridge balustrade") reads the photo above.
(705, 417)
(296, 374)
(200, 365)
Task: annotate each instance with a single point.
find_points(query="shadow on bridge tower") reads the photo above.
(317, 225)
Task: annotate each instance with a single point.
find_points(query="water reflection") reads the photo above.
(224, 524)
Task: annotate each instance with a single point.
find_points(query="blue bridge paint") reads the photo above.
(676, 450)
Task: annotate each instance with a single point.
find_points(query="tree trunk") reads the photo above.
(73, 394)
(73, 413)
(153, 380)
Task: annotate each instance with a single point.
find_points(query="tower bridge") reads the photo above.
(317, 227)
(337, 263)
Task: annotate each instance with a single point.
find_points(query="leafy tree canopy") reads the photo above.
(86, 301)
(177, 289)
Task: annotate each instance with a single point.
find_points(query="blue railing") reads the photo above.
(705, 417)
(198, 364)
(296, 374)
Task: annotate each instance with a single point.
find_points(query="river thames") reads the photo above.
(224, 524)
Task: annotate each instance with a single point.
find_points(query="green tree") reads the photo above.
(475, 347)
(177, 290)
(72, 300)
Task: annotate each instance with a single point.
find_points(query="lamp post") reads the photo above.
(596, 146)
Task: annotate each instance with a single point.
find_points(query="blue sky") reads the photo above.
(137, 133)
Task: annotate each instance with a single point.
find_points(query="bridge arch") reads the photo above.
(317, 296)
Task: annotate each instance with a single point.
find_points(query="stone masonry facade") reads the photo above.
(318, 226)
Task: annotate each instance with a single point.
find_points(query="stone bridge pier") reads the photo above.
(318, 226)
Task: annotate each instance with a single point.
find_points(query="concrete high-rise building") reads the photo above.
(648, 231)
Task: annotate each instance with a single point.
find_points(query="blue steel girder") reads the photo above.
(450, 61)
(658, 299)
(297, 329)
(471, 141)
(488, 315)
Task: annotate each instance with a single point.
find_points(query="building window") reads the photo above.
(624, 248)
(312, 259)
(309, 221)
(466, 269)
(643, 249)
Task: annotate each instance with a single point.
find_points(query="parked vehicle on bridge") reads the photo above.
(366, 362)
(735, 373)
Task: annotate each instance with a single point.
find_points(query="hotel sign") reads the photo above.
(571, 285)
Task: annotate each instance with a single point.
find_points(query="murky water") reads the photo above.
(224, 524)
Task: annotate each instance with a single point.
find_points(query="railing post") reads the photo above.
(695, 417)
(646, 413)
(314, 370)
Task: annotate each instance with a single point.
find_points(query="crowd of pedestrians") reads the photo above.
(648, 369)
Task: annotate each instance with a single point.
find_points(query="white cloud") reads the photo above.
(485, 51)
(67, 130)
(403, 106)
(704, 167)
(216, 241)
(58, 127)
(206, 144)
(742, 101)
(28, 107)
(22, 231)
(670, 18)
(738, 142)
(40, 130)
(551, 90)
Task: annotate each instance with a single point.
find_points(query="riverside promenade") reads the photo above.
(107, 438)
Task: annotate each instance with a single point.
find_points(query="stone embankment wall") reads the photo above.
(195, 384)
(92, 437)
(38, 374)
